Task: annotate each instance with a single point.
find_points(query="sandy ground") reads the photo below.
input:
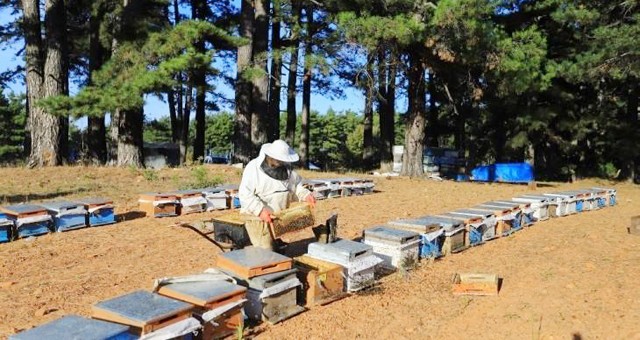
(572, 277)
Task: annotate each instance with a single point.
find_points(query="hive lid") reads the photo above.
(251, 257)
(60, 205)
(139, 308)
(95, 201)
(445, 221)
(472, 212)
(400, 236)
(202, 292)
(24, 209)
(75, 327)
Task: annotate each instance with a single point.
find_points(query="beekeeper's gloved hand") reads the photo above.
(266, 215)
(311, 200)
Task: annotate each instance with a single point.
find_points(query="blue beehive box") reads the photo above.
(6, 228)
(74, 327)
(100, 211)
(29, 219)
(67, 215)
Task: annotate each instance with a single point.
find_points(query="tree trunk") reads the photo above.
(96, 131)
(184, 125)
(633, 109)
(367, 141)
(199, 78)
(46, 76)
(260, 110)
(242, 147)
(306, 93)
(416, 120)
(130, 144)
(386, 106)
(290, 134)
(127, 125)
(173, 115)
(432, 121)
(276, 75)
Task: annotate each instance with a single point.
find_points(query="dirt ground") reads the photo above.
(572, 277)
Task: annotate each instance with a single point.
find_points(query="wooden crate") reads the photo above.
(143, 311)
(475, 284)
(468, 223)
(207, 296)
(253, 261)
(321, 280)
(159, 204)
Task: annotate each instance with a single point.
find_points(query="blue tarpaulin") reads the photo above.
(504, 172)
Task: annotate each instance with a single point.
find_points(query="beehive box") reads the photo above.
(475, 284)
(556, 206)
(272, 297)
(159, 204)
(233, 201)
(341, 252)
(454, 236)
(525, 209)
(219, 303)
(334, 187)
(144, 312)
(253, 261)
(321, 281)
(396, 248)
(507, 220)
(420, 225)
(355, 186)
(611, 195)
(600, 198)
(474, 227)
(29, 220)
(100, 211)
(66, 215)
(431, 244)
(479, 231)
(229, 228)
(567, 200)
(579, 197)
(539, 206)
(6, 229)
(76, 327)
(518, 221)
(368, 185)
(292, 219)
(357, 260)
(319, 189)
(217, 198)
(191, 201)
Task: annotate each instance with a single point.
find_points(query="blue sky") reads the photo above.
(155, 108)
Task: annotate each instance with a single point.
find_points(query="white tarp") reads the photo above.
(100, 207)
(210, 315)
(191, 201)
(280, 287)
(210, 274)
(32, 219)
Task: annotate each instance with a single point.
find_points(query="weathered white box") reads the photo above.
(539, 206)
(396, 248)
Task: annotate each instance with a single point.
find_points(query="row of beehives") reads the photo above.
(251, 283)
(457, 230)
(270, 287)
(25, 220)
(226, 196)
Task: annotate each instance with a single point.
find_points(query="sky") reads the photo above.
(155, 108)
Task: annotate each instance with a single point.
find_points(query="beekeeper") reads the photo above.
(268, 185)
